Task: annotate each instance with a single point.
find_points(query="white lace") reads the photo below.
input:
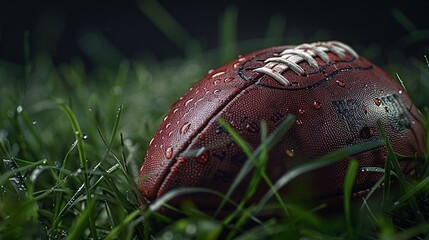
(290, 58)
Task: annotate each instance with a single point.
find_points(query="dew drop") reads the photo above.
(218, 74)
(400, 91)
(290, 152)
(203, 158)
(185, 128)
(298, 121)
(117, 90)
(191, 229)
(19, 109)
(301, 111)
(168, 125)
(228, 79)
(242, 59)
(377, 101)
(84, 136)
(165, 118)
(202, 137)
(210, 71)
(181, 159)
(34, 122)
(233, 123)
(175, 110)
(174, 169)
(217, 82)
(188, 102)
(168, 235)
(341, 83)
(317, 105)
(236, 65)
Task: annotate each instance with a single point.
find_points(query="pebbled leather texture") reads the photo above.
(335, 106)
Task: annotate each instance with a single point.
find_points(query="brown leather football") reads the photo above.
(337, 98)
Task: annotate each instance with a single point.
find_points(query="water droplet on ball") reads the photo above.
(218, 74)
(228, 79)
(290, 152)
(377, 101)
(202, 137)
(317, 105)
(181, 159)
(188, 102)
(185, 128)
(203, 158)
(169, 153)
(341, 83)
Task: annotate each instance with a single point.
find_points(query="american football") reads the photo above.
(338, 98)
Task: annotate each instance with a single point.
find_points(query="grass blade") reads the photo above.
(403, 184)
(328, 159)
(272, 140)
(81, 222)
(83, 161)
(228, 32)
(348, 191)
(115, 232)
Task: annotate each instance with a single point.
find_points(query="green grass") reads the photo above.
(72, 141)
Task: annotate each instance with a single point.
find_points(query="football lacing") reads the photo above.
(290, 59)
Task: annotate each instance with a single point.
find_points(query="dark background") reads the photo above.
(58, 27)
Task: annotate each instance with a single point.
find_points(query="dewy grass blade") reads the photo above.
(423, 184)
(16, 180)
(328, 159)
(4, 177)
(119, 195)
(83, 161)
(81, 222)
(272, 140)
(348, 190)
(156, 205)
(403, 184)
(114, 233)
